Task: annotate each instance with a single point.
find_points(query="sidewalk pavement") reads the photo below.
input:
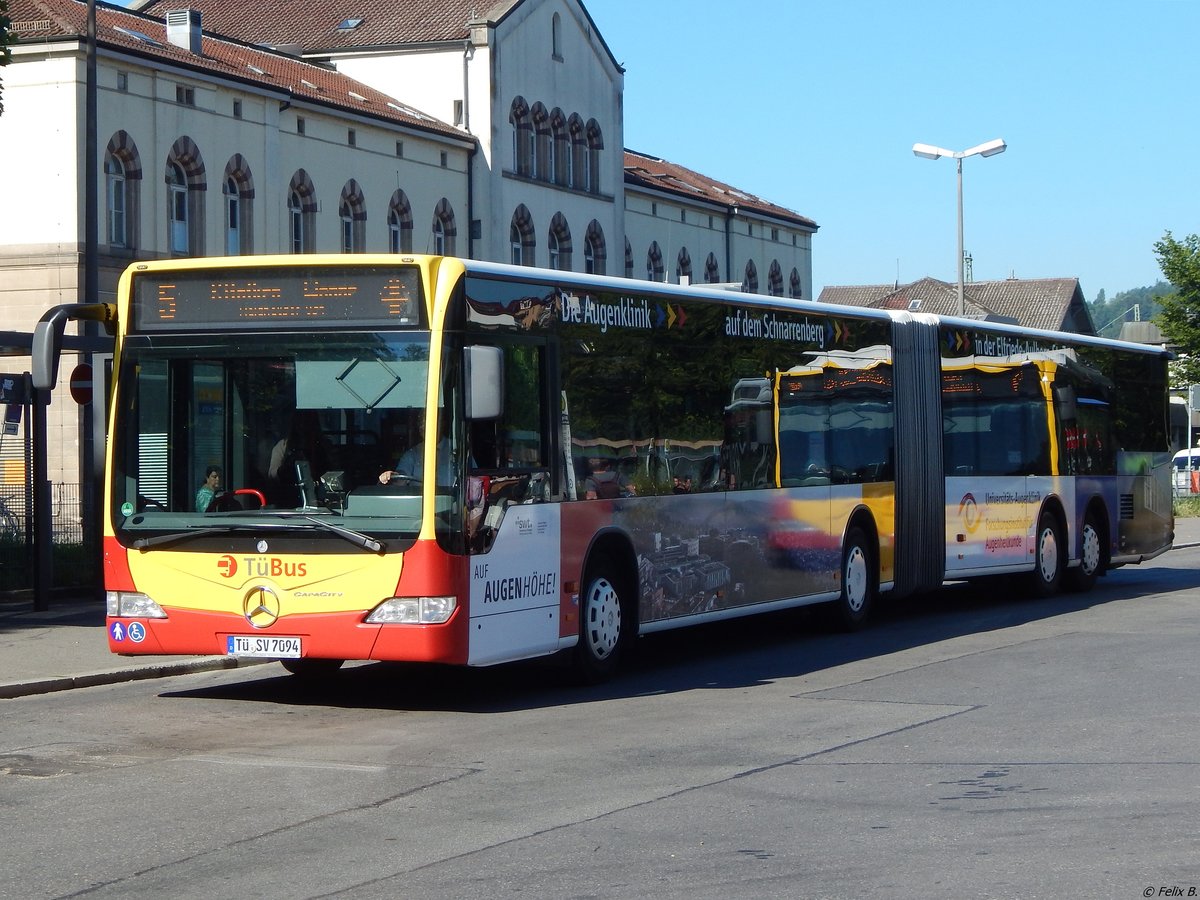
(65, 647)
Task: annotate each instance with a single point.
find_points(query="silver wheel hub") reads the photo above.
(601, 618)
(855, 578)
(1091, 549)
(1047, 555)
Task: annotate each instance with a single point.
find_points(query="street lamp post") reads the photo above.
(928, 151)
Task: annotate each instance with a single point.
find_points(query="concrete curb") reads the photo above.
(119, 676)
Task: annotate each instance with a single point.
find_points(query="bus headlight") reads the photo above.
(413, 611)
(130, 605)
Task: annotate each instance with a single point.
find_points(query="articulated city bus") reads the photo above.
(327, 458)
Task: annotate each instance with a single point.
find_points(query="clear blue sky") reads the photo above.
(816, 106)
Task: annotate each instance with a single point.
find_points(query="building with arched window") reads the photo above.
(488, 130)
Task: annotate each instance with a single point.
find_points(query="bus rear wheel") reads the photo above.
(853, 607)
(601, 624)
(1091, 559)
(1048, 565)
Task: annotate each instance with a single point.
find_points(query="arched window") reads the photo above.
(297, 233)
(594, 251)
(185, 199)
(795, 291)
(115, 200)
(521, 237)
(556, 37)
(712, 270)
(302, 213)
(524, 145)
(654, 263)
(238, 196)
(560, 141)
(444, 229)
(400, 224)
(683, 266)
(233, 218)
(775, 279)
(577, 141)
(595, 143)
(177, 209)
(352, 213)
(543, 148)
(122, 180)
(559, 243)
(750, 280)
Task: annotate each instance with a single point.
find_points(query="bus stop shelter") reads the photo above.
(17, 391)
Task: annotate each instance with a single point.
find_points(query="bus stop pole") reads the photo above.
(43, 516)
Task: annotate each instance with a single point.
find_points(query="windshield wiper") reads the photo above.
(289, 524)
(355, 537)
(160, 539)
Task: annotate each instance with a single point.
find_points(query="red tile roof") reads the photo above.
(36, 21)
(658, 174)
(1055, 304)
(314, 24)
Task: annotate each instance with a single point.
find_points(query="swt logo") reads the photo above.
(968, 510)
(227, 566)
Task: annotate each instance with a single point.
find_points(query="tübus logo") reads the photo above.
(261, 567)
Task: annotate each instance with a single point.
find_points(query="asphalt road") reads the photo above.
(969, 745)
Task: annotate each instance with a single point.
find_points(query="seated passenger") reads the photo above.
(209, 489)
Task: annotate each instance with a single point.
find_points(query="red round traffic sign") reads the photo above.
(81, 384)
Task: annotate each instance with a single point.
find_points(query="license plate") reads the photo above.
(266, 647)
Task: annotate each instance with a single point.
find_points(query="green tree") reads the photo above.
(1108, 315)
(1180, 316)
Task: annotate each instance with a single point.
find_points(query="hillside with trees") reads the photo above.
(1128, 306)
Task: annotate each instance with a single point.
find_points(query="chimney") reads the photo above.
(183, 29)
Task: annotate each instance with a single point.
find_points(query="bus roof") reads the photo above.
(718, 295)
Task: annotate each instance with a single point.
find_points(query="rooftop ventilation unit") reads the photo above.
(183, 29)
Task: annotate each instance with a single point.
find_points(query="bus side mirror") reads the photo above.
(485, 382)
(1066, 403)
(48, 337)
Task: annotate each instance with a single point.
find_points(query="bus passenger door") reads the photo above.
(802, 537)
(513, 528)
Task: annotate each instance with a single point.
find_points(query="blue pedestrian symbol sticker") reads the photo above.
(117, 631)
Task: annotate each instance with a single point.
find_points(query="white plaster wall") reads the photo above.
(39, 150)
(428, 81)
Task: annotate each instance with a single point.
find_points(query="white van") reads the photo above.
(1179, 463)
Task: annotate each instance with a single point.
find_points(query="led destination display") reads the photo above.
(324, 297)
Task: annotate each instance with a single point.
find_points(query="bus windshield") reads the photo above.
(294, 431)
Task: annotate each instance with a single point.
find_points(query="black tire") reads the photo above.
(1048, 563)
(1091, 558)
(860, 582)
(311, 668)
(603, 624)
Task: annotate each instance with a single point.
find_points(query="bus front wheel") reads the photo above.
(601, 624)
(858, 581)
(1048, 566)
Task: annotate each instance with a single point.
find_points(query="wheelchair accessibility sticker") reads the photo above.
(134, 631)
